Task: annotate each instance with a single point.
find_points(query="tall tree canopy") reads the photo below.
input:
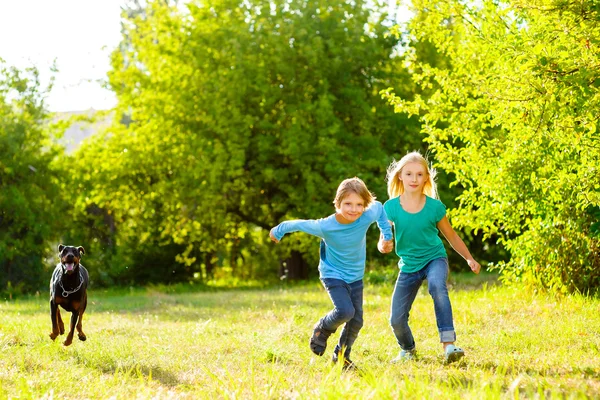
(29, 190)
(239, 114)
(514, 117)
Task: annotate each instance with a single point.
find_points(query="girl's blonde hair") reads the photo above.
(394, 184)
(353, 185)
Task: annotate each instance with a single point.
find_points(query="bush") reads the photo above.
(513, 117)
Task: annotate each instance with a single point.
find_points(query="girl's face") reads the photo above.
(413, 177)
(351, 208)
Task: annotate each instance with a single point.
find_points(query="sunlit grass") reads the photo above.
(254, 344)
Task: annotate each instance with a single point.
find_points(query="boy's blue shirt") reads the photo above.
(417, 236)
(343, 246)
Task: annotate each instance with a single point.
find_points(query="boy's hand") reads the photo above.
(273, 238)
(385, 246)
(474, 265)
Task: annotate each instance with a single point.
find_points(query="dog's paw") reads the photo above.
(68, 340)
(82, 338)
(53, 335)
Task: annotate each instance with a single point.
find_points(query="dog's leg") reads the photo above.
(69, 339)
(61, 324)
(53, 318)
(82, 308)
(80, 333)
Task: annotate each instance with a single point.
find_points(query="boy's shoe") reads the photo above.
(453, 353)
(318, 341)
(405, 355)
(348, 364)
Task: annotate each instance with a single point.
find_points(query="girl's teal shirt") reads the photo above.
(417, 236)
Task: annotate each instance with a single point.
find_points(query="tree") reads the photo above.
(30, 199)
(243, 114)
(514, 118)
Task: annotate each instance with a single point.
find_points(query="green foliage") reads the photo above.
(237, 115)
(514, 117)
(30, 198)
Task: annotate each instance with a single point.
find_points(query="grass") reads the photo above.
(254, 344)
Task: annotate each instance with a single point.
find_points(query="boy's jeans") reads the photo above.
(407, 286)
(347, 300)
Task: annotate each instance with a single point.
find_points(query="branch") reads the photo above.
(247, 218)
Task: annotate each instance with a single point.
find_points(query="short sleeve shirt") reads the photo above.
(416, 234)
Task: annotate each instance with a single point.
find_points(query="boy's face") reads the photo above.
(351, 208)
(413, 177)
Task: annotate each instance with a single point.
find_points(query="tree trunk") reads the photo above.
(294, 268)
(209, 266)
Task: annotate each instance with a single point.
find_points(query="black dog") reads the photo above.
(68, 288)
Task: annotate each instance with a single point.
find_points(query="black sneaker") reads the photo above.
(348, 364)
(318, 341)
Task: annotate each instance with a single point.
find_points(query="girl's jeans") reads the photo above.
(407, 286)
(347, 301)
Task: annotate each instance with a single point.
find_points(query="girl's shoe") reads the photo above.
(405, 355)
(453, 353)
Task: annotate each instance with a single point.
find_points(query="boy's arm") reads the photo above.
(386, 242)
(457, 244)
(384, 224)
(310, 226)
(385, 246)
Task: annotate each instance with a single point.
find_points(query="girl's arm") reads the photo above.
(457, 244)
(310, 226)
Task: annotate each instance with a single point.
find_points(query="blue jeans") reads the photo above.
(347, 301)
(407, 286)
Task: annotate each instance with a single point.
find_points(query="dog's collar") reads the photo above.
(66, 293)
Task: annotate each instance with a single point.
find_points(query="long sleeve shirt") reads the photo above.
(343, 250)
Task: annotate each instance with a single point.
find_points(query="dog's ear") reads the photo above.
(61, 247)
(81, 249)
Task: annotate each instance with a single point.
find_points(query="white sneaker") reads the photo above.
(453, 353)
(405, 355)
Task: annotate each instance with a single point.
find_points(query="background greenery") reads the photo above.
(233, 116)
(514, 118)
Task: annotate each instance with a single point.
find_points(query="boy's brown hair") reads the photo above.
(353, 185)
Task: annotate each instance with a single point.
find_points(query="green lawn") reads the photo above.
(254, 344)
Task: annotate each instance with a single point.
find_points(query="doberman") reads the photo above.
(68, 288)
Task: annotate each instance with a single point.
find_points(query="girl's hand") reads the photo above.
(273, 238)
(474, 265)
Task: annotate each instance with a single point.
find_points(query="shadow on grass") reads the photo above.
(194, 304)
(148, 372)
(501, 369)
(181, 306)
(194, 307)
(471, 281)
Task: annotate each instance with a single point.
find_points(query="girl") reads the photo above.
(342, 261)
(418, 217)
